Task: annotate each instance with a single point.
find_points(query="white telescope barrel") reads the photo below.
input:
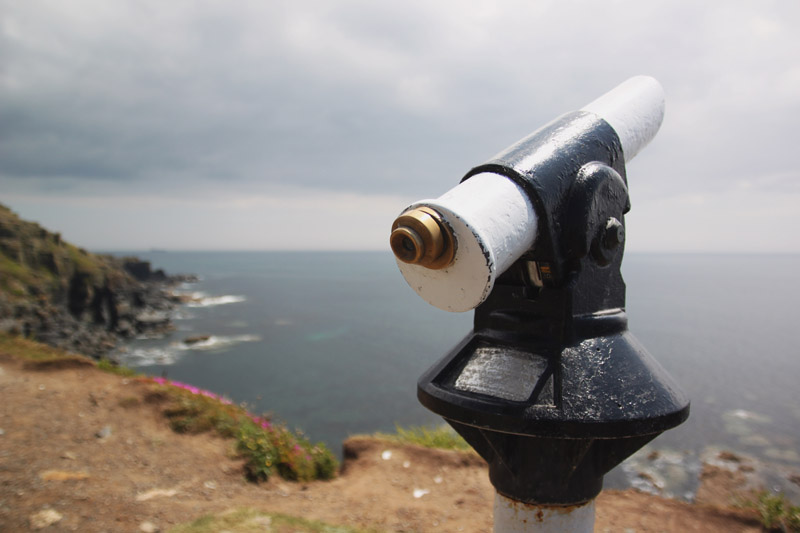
(493, 223)
(635, 109)
(491, 217)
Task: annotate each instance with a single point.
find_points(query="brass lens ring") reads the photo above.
(421, 237)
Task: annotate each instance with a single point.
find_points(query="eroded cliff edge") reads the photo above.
(65, 296)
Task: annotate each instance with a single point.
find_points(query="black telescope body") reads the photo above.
(550, 387)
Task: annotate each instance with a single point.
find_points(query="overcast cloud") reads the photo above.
(300, 124)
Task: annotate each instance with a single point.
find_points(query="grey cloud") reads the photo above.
(364, 97)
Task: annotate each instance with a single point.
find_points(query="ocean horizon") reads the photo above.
(334, 342)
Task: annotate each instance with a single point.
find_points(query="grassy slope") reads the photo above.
(34, 351)
(35, 262)
(238, 521)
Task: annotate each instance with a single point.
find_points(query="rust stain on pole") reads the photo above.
(513, 516)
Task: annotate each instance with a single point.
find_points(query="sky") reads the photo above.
(287, 125)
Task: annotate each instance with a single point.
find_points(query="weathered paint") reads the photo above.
(493, 219)
(511, 516)
(635, 109)
(493, 222)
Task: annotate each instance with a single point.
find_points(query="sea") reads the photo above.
(333, 343)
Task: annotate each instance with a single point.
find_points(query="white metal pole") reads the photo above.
(511, 516)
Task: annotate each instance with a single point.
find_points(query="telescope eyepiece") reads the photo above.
(407, 245)
(421, 237)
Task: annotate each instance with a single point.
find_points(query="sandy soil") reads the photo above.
(84, 444)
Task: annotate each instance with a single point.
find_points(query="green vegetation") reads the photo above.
(89, 264)
(193, 412)
(31, 350)
(39, 271)
(36, 352)
(107, 365)
(15, 278)
(37, 263)
(443, 437)
(775, 511)
(266, 446)
(55, 292)
(249, 520)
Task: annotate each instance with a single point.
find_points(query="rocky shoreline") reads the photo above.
(62, 295)
(93, 316)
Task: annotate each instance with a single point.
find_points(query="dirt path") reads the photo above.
(84, 444)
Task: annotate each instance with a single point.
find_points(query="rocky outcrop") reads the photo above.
(67, 297)
(141, 270)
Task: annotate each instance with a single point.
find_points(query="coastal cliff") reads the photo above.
(90, 451)
(64, 296)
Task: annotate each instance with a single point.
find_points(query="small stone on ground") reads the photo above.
(148, 527)
(45, 518)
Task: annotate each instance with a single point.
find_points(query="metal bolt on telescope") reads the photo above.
(549, 387)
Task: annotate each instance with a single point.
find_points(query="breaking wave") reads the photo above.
(150, 356)
(213, 342)
(171, 353)
(199, 299)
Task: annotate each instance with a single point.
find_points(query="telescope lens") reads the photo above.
(407, 245)
(419, 238)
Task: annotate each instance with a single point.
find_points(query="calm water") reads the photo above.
(334, 343)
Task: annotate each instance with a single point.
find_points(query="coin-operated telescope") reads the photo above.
(550, 387)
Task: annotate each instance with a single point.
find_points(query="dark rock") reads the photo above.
(79, 293)
(183, 278)
(65, 296)
(195, 339)
(729, 456)
(125, 328)
(140, 270)
(143, 271)
(48, 260)
(11, 248)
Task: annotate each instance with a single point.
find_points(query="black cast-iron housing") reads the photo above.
(550, 388)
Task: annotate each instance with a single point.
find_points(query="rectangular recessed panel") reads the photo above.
(502, 372)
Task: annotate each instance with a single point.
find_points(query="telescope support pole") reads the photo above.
(511, 516)
(549, 387)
